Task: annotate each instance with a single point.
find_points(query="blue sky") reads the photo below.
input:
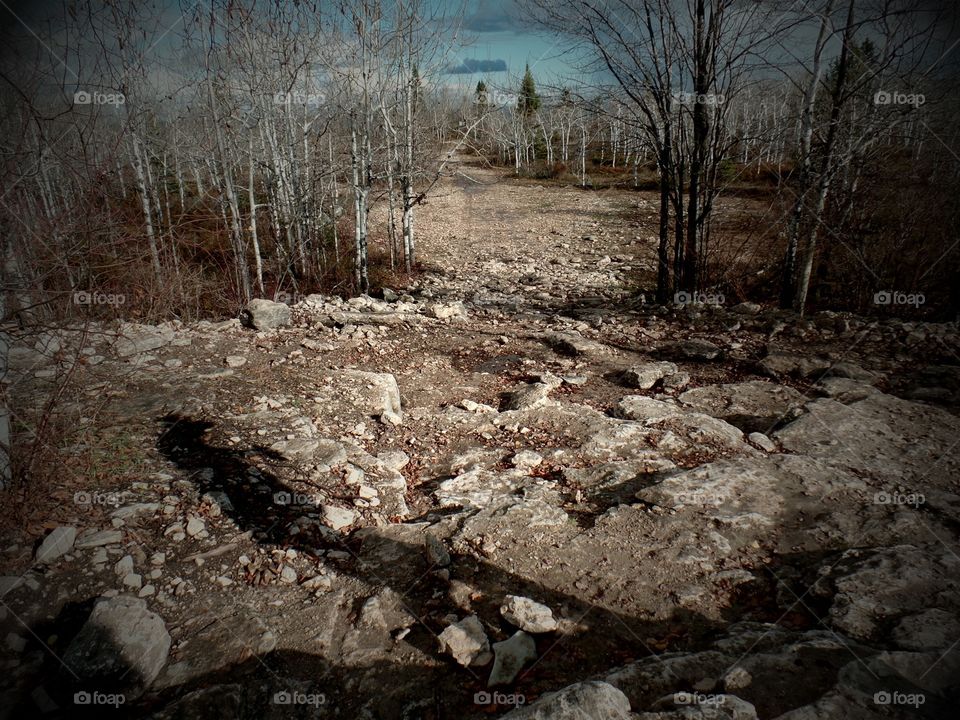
(497, 44)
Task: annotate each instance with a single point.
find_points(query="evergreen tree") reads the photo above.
(481, 96)
(529, 101)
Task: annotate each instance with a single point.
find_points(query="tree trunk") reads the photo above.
(788, 283)
(827, 169)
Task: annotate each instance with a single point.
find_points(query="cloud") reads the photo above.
(492, 17)
(471, 65)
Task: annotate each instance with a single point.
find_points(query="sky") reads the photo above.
(494, 41)
(497, 44)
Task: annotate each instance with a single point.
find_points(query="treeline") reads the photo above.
(158, 167)
(237, 154)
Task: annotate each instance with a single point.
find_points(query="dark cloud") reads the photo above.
(470, 66)
(492, 17)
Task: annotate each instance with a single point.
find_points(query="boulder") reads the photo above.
(122, 646)
(591, 700)
(261, 314)
(647, 375)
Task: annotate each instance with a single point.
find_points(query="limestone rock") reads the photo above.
(647, 375)
(466, 641)
(528, 614)
(59, 542)
(122, 646)
(509, 657)
(591, 700)
(262, 314)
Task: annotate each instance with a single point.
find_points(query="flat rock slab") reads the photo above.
(388, 319)
(57, 543)
(574, 344)
(693, 349)
(780, 364)
(375, 393)
(641, 407)
(753, 406)
(296, 449)
(138, 339)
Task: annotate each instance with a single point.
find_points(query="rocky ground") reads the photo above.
(513, 488)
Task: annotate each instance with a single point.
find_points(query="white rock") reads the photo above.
(762, 442)
(466, 641)
(528, 614)
(510, 656)
(124, 566)
(57, 543)
(195, 526)
(337, 517)
(526, 459)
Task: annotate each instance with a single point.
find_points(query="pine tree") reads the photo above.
(481, 96)
(529, 101)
